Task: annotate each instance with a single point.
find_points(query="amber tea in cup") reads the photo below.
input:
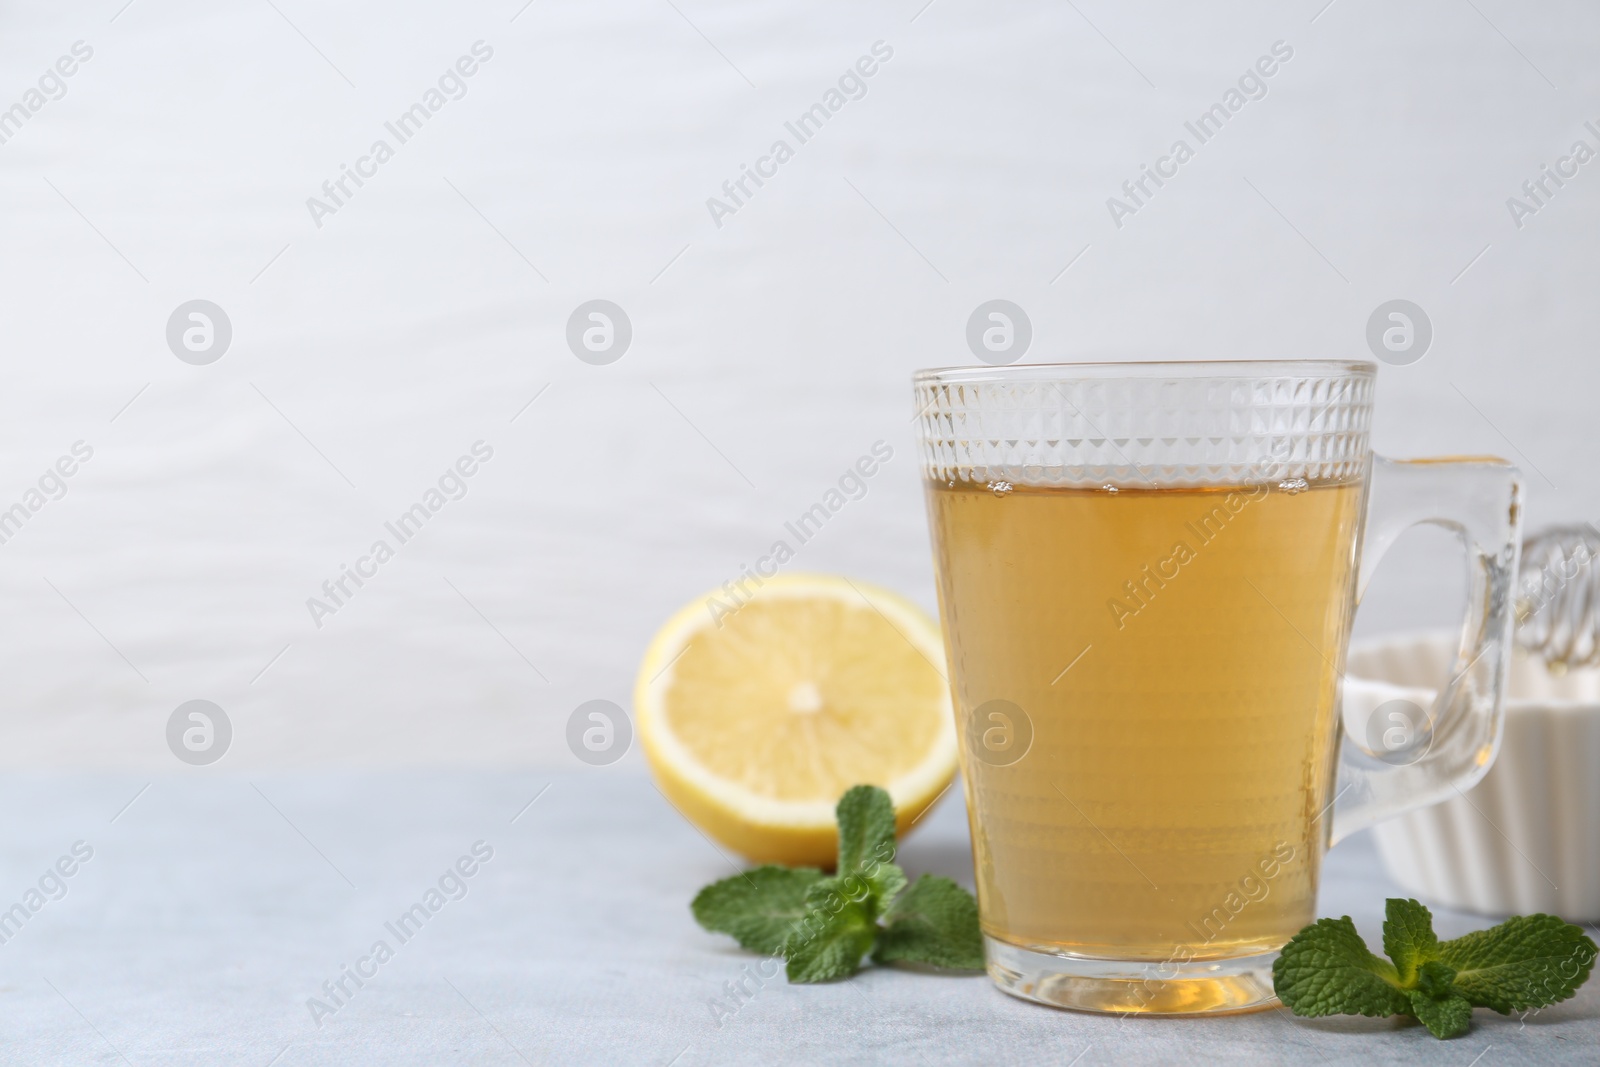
(1147, 575)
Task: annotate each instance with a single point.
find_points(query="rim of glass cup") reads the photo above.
(1180, 368)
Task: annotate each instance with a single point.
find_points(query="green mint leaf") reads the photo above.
(866, 830)
(935, 923)
(1326, 969)
(1408, 937)
(1447, 1017)
(1435, 1002)
(886, 881)
(1530, 961)
(1435, 980)
(758, 907)
(830, 939)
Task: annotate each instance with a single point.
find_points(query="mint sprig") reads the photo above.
(824, 925)
(1529, 961)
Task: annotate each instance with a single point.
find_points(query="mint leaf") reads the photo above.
(1435, 1002)
(1408, 937)
(1435, 980)
(830, 939)
(1326, 969)
(886, 883)
(1448, 1017)
(935, 923)
(866, 848)
(758, 907)
(866, 830)
(1531, 961)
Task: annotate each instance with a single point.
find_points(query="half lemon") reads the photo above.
(757, 711)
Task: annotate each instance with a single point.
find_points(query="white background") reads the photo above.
(768, 354)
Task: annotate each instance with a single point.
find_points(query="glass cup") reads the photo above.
(1147, 574)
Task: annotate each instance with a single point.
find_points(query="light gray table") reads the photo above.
(214, 906)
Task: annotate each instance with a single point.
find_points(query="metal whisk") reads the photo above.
(1558, 597)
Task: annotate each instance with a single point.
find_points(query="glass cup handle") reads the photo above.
(1479, 499)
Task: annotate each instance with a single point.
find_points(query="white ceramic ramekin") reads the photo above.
(1526, 838)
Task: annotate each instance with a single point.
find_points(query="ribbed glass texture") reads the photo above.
(1147, 425)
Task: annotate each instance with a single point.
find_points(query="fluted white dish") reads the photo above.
(1527, 837)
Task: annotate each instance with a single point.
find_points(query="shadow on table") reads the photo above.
(1356, 1024)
